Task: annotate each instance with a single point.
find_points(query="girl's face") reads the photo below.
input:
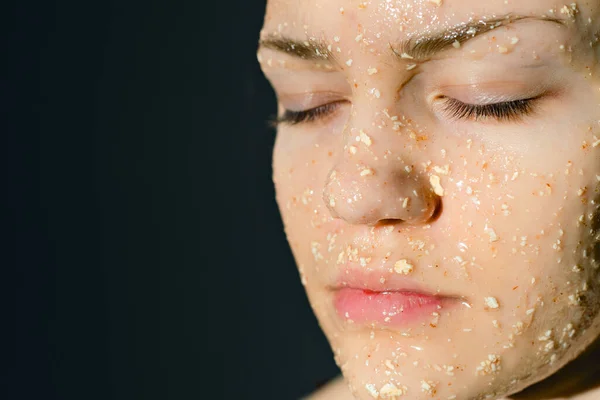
(437, 167)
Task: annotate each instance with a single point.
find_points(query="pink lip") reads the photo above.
(387, 308)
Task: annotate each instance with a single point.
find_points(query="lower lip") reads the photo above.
(388, 309)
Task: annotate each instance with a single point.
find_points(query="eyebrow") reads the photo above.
(419, 47)
(422, 47)
(311, 49)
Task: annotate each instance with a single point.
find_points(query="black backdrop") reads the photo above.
(148, 254)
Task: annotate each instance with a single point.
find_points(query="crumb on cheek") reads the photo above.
(403, 267)
(364, 138)
(490, 366)
(434, 180)
(491, 302)
(429, 387)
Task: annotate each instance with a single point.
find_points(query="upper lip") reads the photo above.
(385, 280)
(380, 280)
(379, 275)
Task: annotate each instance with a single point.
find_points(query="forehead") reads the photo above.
(397, 19)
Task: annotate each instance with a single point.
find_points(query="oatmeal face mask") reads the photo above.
(437, 166)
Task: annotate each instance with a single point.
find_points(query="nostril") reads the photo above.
(386, 199)
(387, 222)
(437, 211)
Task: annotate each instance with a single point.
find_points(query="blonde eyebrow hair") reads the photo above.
(305, 50)
(423, 47)
(418, 47)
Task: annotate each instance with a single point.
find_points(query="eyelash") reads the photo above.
(290, 117)
(508, 111)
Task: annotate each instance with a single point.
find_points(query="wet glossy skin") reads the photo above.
(497, 216)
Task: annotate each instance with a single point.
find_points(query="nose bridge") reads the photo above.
(376, 175)
(373, 120)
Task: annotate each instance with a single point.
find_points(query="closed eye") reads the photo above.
(508, 111)
(290, 117)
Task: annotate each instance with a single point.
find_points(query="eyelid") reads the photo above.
(502, 112)
(309, 100)
(490, 92)
(313, 115)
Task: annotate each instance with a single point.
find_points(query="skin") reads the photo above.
(514, 215)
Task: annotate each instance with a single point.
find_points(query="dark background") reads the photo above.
(145, 256)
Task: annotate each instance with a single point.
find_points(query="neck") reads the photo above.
(578, 380)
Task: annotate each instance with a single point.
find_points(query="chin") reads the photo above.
(391, 364)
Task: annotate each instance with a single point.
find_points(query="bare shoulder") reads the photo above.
(336, 389)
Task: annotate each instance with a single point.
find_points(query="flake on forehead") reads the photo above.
(472, 31)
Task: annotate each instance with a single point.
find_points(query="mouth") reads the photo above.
(388, 303)
(397, 309)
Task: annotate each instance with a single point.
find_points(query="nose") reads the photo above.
(367, 187)
(382, 195)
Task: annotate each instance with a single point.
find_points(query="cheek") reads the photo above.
(296, 173)
(300, 168)
(537, 243)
